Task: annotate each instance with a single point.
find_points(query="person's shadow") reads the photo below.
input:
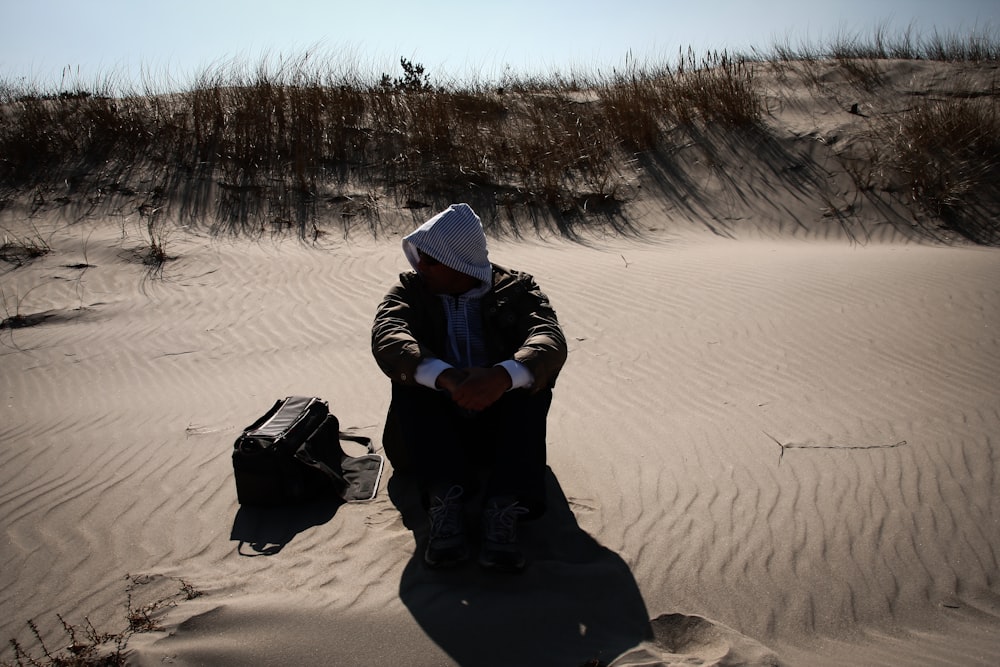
(576, 604)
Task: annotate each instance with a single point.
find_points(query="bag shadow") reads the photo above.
(265, 531)
(576, 603)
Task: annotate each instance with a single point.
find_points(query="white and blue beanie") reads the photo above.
(455, 238)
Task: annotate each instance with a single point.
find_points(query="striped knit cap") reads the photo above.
(455, 238)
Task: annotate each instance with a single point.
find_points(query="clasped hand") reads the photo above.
(475, 388)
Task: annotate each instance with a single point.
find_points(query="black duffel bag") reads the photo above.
(293, 454)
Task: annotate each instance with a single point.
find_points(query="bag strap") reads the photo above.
(361, 439)
(304, 455)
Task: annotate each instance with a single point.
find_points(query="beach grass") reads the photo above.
(83, 645)
(284, 145)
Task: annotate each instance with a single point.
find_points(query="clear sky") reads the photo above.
(38, 38)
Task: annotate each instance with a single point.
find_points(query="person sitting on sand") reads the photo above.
(473, 350)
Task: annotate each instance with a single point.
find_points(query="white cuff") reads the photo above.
(428, 371)
(520, 376)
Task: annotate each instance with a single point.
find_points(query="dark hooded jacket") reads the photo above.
(518, 323)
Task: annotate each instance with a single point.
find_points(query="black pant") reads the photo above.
(449, 445)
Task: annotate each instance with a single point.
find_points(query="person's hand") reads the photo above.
(481, 388)
(450, 379)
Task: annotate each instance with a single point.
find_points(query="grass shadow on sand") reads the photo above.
(576, 604)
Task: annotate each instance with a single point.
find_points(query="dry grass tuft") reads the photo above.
(20, 249)
(86, 646)
(948, 154)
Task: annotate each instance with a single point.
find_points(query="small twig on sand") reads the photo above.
(797, 445)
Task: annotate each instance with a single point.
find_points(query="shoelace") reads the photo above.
(446, 513)
(501, 522)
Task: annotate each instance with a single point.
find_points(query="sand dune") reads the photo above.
(761, 450)
(775, 440)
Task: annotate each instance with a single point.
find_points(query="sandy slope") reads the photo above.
(681, 530)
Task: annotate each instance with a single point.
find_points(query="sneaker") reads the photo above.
(447, 546)
(500, 551)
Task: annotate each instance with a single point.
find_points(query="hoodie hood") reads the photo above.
(455, 238)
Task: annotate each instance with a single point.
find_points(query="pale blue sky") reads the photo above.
(38, 38)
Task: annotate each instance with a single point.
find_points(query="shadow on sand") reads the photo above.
(265, 531)
(576, 604)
